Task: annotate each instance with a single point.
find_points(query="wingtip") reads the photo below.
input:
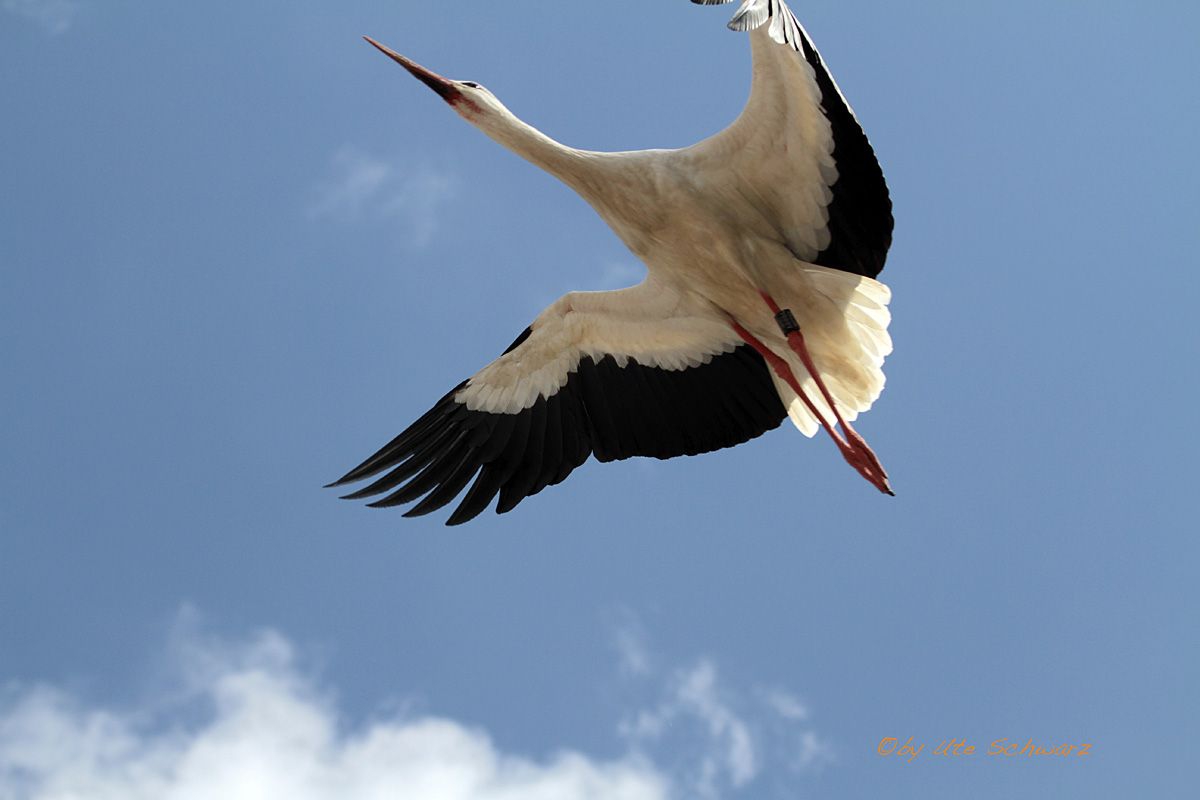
(349, 477)
(461, 516)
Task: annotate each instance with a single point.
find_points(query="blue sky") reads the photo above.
(239, 250)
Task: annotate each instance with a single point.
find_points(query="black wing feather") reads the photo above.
(518, 487)
(552, 448)
(860, 213)
(466, 468)
(614, 412)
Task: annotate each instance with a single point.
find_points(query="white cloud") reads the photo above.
(267, 732)
(242, 721)
(53, 15)
(366, 187)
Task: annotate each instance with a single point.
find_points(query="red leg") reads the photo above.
(784, 371)
(862, 451)
(852, 454)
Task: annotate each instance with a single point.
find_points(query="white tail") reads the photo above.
(844, 319)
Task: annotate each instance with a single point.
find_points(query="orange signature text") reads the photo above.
(909, 750)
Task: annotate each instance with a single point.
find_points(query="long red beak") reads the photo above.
(443, 86)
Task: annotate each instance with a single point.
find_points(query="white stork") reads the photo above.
(762, 245)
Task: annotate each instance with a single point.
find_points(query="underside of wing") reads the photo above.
(614, 374)
(800, 151)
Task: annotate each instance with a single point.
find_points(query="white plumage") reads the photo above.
(761, 243)
(650, 323)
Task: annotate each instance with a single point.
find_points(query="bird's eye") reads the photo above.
(472, 84)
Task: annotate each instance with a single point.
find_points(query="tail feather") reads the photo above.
(844, 318)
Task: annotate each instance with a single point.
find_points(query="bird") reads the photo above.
(762, 245)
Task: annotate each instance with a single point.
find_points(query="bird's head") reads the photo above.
(469, 99)
(482, 109)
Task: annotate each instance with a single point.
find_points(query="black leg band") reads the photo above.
(787, 322)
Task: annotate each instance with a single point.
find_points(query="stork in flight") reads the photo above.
(762, 245)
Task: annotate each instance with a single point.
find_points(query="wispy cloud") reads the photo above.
(694, 710)
(55, 16)
(784, 703)
(794, 741)
(811, 753)
(728, 739)
(363, 187)
(630, 640)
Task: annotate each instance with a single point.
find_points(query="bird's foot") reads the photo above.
(859, 455)
(853, 447)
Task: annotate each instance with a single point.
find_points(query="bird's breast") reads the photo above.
(685, 231)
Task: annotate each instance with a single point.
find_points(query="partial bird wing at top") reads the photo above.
(635, 372)
(798, 153)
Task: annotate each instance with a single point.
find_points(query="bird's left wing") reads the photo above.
(797, 153)
(637, 372)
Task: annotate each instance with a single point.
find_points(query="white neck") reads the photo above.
(621, 187)
(576, 168)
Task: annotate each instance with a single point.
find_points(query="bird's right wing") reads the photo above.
(636, 372)
(797, 153)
